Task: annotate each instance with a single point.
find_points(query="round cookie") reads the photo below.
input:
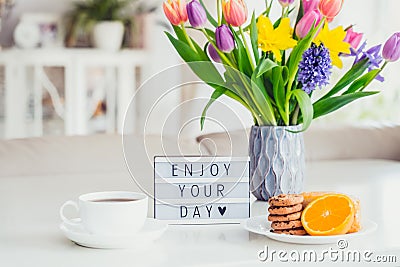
(299, 231)
(276, 210)
(286, 225)
(284, 200)
(285, 218)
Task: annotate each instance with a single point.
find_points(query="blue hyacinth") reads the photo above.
(315, 68)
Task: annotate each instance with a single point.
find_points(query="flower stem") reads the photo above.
(219, 11)
(379, 72)
(295, 114)
(247, 47)
(188, 38)
(220, 53)
(269, 7)
(287, 12)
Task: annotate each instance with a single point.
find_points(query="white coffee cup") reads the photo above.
(109, 213)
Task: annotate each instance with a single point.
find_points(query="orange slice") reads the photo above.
(330, 214)
(355, 227)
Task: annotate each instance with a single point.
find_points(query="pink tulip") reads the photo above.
(353, 38)
(286, 3)
(310, 5)
(306, 22)
(330, 8)
(175, 10)
(235, 12)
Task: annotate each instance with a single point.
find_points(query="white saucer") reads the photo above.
(260, 225)
(151, 230)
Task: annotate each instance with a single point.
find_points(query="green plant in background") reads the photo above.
(85, 14)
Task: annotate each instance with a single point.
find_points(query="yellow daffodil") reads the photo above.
(275, 40)
(334, 41)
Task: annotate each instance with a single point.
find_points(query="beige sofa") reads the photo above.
(103, 153)
(321, 143)
(55, 155)
(99, 159)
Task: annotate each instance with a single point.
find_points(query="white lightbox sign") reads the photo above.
(201, 190)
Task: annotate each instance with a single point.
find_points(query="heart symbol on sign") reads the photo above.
(222, 210)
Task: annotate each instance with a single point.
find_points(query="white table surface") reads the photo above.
(30, 235)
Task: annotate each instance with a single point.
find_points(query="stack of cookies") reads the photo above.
(285, 214)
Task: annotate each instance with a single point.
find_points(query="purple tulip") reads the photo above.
(286, 3)
(391, 50)
(212, 52)
(196, 14)
(309, 5)
(224, 39)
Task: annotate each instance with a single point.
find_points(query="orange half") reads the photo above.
(330, 214)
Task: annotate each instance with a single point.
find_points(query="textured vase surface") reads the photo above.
(277, 161)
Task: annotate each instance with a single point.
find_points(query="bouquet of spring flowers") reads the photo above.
(272, 66)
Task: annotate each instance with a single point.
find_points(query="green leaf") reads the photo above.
(181, 37)
(251, 106)
(254, 38)
(279, 93)
(258, 81)
(205, 71)
(276, 24)
(218, 92)
(265, 65)
(209, 16)
(356, 71)
(306, 107)
(183, 49)
(210, 33)
(263, 104)
(201, 52)
(331, 104)
(285, 75)
(297, 54)
(362, 82)
(179, 34)
(241, 55)
(215, 95)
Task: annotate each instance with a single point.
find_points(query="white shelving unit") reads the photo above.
(120, 76)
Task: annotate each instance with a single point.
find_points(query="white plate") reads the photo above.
(152, 230)
(260, 225)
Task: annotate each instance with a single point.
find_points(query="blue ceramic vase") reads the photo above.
(277, 161)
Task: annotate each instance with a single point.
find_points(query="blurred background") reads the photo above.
(64, 72)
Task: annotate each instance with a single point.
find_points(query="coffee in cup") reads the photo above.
(109, 213)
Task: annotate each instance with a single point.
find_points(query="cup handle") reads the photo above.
(65, 219)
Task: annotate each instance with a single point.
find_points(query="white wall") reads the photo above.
(22, 6)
